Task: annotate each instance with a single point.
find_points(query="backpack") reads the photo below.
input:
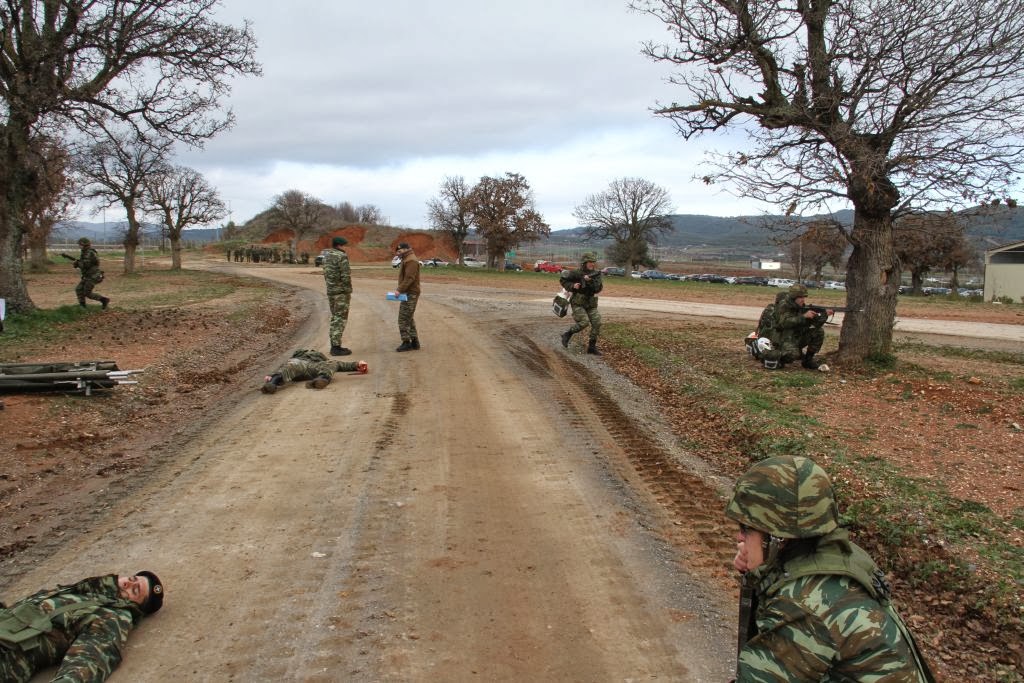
(560, 304)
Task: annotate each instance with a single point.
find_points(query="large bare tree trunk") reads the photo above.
(131, 240)
(12, 283)
(872, 284)
(175, 238)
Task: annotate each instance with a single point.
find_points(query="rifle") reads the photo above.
(71, 258)
(747, 617)
(823, 311)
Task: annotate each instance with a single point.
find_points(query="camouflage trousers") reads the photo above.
(84, 290)
(81, 662)
(406, 324)
(586, 316)
(339, 316)
(297, 369)
(790, 348)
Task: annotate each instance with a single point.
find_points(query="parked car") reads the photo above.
(654, 275)
(752, 280)
(711, 277)
(319, 260)
(780, 282)
(547, 267)
(473, 262)
(396, 261)
(434, 262)
(512, 266)
(614, 272)
(832, 284)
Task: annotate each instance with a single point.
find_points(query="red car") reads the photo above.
(547, 267)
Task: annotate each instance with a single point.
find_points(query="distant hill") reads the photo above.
(988, 227)
(110, 232)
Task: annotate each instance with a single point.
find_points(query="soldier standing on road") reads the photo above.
(794, 330)
(584, 285)
(338, 276)
(88, 264)
(822, 605)
(81, 628)
(408, 284)
(309, 364)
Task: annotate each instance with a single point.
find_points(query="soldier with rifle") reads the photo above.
(796, 331)
(88, 264)
(814, 605)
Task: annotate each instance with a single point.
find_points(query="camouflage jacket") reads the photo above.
(88, 262)
(337, 273)
(829, 627)
(590, 285)
(85, 643)
(789, 322)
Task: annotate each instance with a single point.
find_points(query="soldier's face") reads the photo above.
(749, 549)
(134, 588)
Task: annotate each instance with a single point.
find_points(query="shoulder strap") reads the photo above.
(21, 623)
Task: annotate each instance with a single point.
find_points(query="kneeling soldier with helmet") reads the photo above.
(823, 610)
(794, 328)
(81, 628)
(308, 364)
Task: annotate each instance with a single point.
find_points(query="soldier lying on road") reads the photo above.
(81, 628)
(308, 364)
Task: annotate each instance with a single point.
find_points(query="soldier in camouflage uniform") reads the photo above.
(408, 284)
(584, 284)
(88, 264)
(794, 330)
(81, 628)
(338, 277)
(308, 364)
(823, 610)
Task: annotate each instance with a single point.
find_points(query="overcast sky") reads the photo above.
(376, 102)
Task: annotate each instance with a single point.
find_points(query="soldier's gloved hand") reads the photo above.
(362, 368)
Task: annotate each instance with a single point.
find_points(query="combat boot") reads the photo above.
(406, 346)
(340, 351)
(415, 344)
(808, 361)
(320, 382)
(81, 302)
(592, 348)
(104, 301)
(272, 383)
(566, 336)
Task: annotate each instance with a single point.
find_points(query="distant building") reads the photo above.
(765, 264)
(1004, 272)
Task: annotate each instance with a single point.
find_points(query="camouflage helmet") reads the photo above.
(797, 290)
(589, 257)
(84, 241)
(787, 496)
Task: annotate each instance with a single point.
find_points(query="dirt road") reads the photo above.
(479, 510)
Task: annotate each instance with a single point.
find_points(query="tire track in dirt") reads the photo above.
(691, 505)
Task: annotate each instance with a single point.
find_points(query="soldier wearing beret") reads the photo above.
(80, 628)
(822, 609)
(338, 277)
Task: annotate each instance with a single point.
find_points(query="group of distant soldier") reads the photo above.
(261, 253)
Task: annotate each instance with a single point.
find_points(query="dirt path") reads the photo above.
(478, 510)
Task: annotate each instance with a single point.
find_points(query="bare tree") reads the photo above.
(632, 212)
(159, 66)
(886, 105)
(371, 215)
(925, 241)
(504, 215)
(299, 212)
(450, 212)
(821, 243)
(54, 196)
(182, 198)
(115, 172)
